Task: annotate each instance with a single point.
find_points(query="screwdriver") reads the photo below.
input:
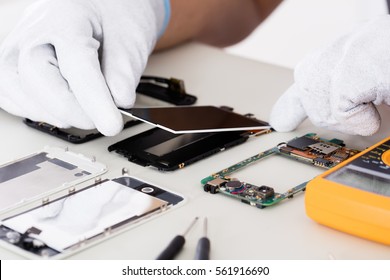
(203, 247)
(175, 245)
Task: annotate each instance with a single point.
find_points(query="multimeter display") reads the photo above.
(354, 196)
(368, 172)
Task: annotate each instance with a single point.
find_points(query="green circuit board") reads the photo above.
(309, 149)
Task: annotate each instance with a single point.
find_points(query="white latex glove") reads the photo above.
(338, 87)
(72, 62)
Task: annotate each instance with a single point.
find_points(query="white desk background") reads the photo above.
(236, 230)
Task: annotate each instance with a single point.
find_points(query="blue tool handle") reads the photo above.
(172, 249)
(203, 249)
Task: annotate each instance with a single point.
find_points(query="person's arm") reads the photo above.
(216, 22)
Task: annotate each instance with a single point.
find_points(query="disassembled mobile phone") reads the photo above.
(65, 225)
(308, 149)
(195, 119)
(48, 171)
(354, 197)
(168, 151)
(167, 90)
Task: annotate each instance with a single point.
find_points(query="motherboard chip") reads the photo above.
(217, 182)
(323, 148)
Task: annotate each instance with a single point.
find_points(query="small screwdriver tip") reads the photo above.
(191, 225)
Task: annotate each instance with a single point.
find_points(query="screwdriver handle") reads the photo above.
(172, 249)
(203, 249)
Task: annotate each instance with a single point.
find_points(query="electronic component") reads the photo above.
(46, 212)
(354, 197)
(309, 149)
(195, 119)
(42, 173)
(301, 143)
(169, 90)
(322, 148)
(316, 151)
(73, 135)
(64, 225)
(169, 151)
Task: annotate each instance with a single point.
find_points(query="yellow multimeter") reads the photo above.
(354, 196)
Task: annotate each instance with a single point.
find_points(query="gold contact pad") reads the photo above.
(303, 154)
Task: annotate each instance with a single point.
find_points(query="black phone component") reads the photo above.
(72, 135)
(168, 151)
(169, 90)
(195, 119)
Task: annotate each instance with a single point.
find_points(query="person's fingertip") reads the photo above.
(110, 125)
(127, 102)
(288, 111)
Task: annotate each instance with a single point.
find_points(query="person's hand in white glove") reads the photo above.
(338, 87)
(73, 62)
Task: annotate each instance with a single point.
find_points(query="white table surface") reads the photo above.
(236, 230)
